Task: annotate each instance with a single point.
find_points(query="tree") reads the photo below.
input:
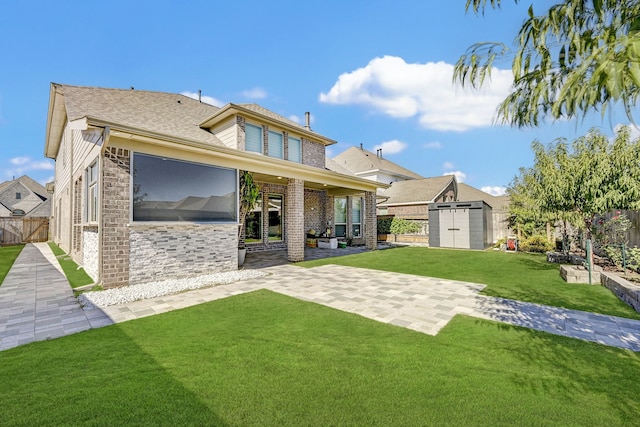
(590, 177)
(249, 193)
(581, 56)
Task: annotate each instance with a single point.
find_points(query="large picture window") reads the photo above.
(175, 190)
(340, 215)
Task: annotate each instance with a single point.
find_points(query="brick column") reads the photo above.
(115, 217)
(370, 221)
(295, 220)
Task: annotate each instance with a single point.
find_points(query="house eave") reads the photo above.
(234, 109)
(247, 160)
(56, 120)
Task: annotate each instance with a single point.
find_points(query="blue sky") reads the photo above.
(370, 72)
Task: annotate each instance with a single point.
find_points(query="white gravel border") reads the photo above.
(127, 294)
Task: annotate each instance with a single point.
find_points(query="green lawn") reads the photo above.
(76, 276)
(519, 276)
(8, 255)
(267, 359)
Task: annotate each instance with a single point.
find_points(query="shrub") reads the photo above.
(404, 226)
(498, 244)
(384, 225)
(535, 244)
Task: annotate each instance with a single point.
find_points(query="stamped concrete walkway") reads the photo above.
(419, 303)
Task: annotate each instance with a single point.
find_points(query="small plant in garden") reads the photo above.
(404, 226)
(535, 244)
(384, 225)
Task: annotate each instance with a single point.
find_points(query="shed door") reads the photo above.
(454, 228)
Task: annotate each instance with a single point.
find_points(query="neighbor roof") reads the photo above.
(358, 160)
(28, 182)
(416, 191)
(467, 193)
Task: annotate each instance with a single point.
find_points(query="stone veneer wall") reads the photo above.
(114, 203)
(295, 220)
(171, 251)
(370, 221)
(90, 254)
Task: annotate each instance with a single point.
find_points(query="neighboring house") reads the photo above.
(409, 194)
(146, 184)
(24, 197)
(365, 164)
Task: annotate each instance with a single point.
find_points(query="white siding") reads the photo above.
(227, 132)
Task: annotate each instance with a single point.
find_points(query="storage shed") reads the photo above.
(466, 225)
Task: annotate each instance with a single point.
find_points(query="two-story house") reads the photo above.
(146, 183)
(24, 197)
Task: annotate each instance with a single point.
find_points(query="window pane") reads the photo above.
(355, 210)
(253, 224)
(356, 230)
(275, 218)
(173, 190)
(294, 150)
(341, 230)
(340, 210)
(276, 148)
(253, 138)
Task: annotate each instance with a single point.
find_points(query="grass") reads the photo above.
(8, 255)
(267, 359)
(519, 276)
(75, 275)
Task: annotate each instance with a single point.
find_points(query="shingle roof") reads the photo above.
(157, 112)
(415, 190)
(332, 165)
(28, 182)
(467, 193)
(358, 160)
(42, 210)
(261, 110)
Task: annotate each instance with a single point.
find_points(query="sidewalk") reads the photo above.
(37, 303)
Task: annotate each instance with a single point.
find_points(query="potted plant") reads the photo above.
(248, 195)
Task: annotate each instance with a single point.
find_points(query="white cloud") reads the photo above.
(391, 147)
(447, 165)
(25, 164)
(634, 131)
(206, 99)
(255, 93)
(460, 176)
(434, 145)
(495, 190)
(390, 86)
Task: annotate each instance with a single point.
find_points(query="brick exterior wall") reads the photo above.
(370, 220)
(172, 251)
(314, 210)
(241, 129)
(90, 253)
(295, 220)
(313, 153)
(114, 203)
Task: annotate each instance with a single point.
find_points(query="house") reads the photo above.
(146, 184)
(24, 197)
(410, 194)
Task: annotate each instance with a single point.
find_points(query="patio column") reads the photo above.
(370, 221)
(295, 220)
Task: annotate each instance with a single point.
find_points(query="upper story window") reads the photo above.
(18, 196)
(253, 138)
(276, 145)
(175, 190)
(294, 150)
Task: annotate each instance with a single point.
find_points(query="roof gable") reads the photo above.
(417, 191)
(358, 160)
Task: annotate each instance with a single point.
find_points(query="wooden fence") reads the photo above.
(14, 231)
